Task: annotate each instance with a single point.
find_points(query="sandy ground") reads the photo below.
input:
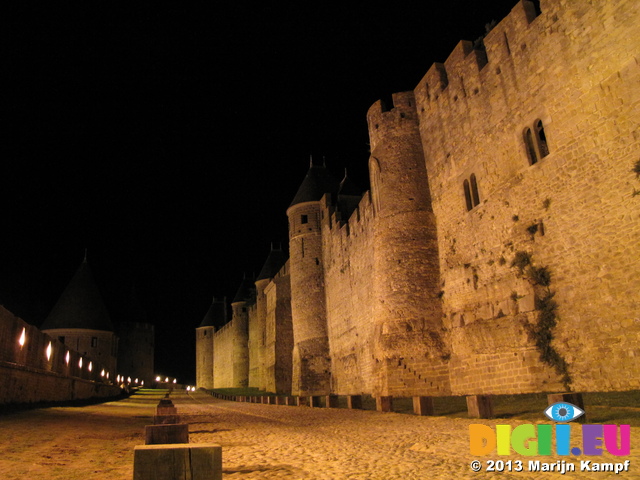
(262, 442)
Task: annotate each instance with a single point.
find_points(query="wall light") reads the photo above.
(23, 337)
(67, 357)
(48, 351)
(80, 362)
(90, 366)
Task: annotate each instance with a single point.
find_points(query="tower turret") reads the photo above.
(407, 311)
(216, 315)
(80, 320)
(311, 361)
(257, 328)
(244, 298)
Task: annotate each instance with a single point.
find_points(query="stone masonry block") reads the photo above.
(354, 402)
(165, 419)
(423, 405)
(166, 434)
(177, 462)
(480, 406)
(384, 404)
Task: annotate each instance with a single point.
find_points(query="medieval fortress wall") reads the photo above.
(498, 250)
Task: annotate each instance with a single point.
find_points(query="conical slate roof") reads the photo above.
(347, 187)
(80, 305)
(316, 183)
(272, 265)
(216, 315)
(246, 292)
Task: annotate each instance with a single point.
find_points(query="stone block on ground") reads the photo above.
(354, 402)
(177, 462)
(423, 405)
(384, 404)
(166, 434)
(480, 406)
(331, 401)
(165, 419)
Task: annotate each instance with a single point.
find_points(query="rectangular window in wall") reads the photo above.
(94, 342)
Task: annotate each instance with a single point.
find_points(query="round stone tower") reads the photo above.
(407, 311)
(244, 298)
(311, 360)
(80, 320)
(204, 343)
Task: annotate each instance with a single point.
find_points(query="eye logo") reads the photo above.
(563, 412)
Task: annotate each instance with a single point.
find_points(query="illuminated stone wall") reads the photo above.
(502, 193)
(36, 369)
(574, 68)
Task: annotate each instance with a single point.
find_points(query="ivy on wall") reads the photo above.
(546, 306)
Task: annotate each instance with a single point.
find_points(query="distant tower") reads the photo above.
(257, 328)
(80, 320)
(204, 343)
(245, 297)
(311, 360)
(407, 310)
(137, 342)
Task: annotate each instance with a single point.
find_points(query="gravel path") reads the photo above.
(286, 442)
(262, 442)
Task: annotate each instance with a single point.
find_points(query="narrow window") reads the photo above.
(94, 341)
(302, 243)
(304, 219)
(531, 151)
(467, 194)
(474, 191)
(542, 139)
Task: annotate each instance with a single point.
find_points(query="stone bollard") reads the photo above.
(423, 405)
(331, 401)
(354, 402)
(166, 434)
(290, 400)
(384, 404)
(166, 428)
(177, 462)
(480, 406)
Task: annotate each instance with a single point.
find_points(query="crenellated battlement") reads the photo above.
(385, 120)
(469, 76)
(523, 148)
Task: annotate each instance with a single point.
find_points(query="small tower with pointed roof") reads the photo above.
(80, 320)
(240, 307)
(216, 315)
(257, 325)
(311, 361)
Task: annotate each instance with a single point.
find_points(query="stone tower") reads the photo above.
(204, 343)
(406, 310)
(257, 330)
(311, 360)
(80, 320)
(242, 302)
(137, 342)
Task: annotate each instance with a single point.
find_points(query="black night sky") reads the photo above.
(169, 138)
